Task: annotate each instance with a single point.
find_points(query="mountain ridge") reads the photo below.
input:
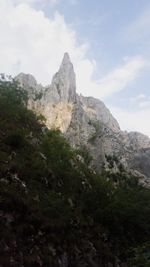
(85, 121)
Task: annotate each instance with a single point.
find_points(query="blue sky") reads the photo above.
(108, 42)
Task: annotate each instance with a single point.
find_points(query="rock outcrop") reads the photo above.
(85, 121)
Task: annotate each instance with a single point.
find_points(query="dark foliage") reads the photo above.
(54, 211)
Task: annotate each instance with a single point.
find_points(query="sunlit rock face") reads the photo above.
(85, 121)
(59, 97)
(64, 81)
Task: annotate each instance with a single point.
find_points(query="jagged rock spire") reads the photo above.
(65, 81)
(66, 60)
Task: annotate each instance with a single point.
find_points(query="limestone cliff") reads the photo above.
(85, 121)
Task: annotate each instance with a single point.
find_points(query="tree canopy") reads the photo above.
(54, 209)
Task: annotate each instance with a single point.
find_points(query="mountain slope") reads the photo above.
(54, 211)
(85, 121)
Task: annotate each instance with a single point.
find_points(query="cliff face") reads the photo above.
(85, 121)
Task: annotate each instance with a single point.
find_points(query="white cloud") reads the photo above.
(32, 43)
(141, 96)
(136, 116)
(120, 77)
(116, 80)
(133, 120)
(144, 104)
(141, 101)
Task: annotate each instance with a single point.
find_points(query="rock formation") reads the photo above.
(86, 122)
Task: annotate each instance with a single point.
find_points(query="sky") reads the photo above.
(108, 42)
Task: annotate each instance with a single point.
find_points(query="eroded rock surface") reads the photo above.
(85, 121)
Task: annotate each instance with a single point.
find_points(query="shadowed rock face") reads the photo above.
(141, 161)
(85, 121)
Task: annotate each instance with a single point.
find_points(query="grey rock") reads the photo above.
(63, 86)
(97, 111)
(86, 122)
(28, 82)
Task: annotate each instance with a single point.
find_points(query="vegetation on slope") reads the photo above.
(54, 210)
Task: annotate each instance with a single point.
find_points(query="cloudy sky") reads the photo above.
(108, 42)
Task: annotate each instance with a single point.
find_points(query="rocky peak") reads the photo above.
(85, 121)
(26, 80)
(64, 81)
(66, 61)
